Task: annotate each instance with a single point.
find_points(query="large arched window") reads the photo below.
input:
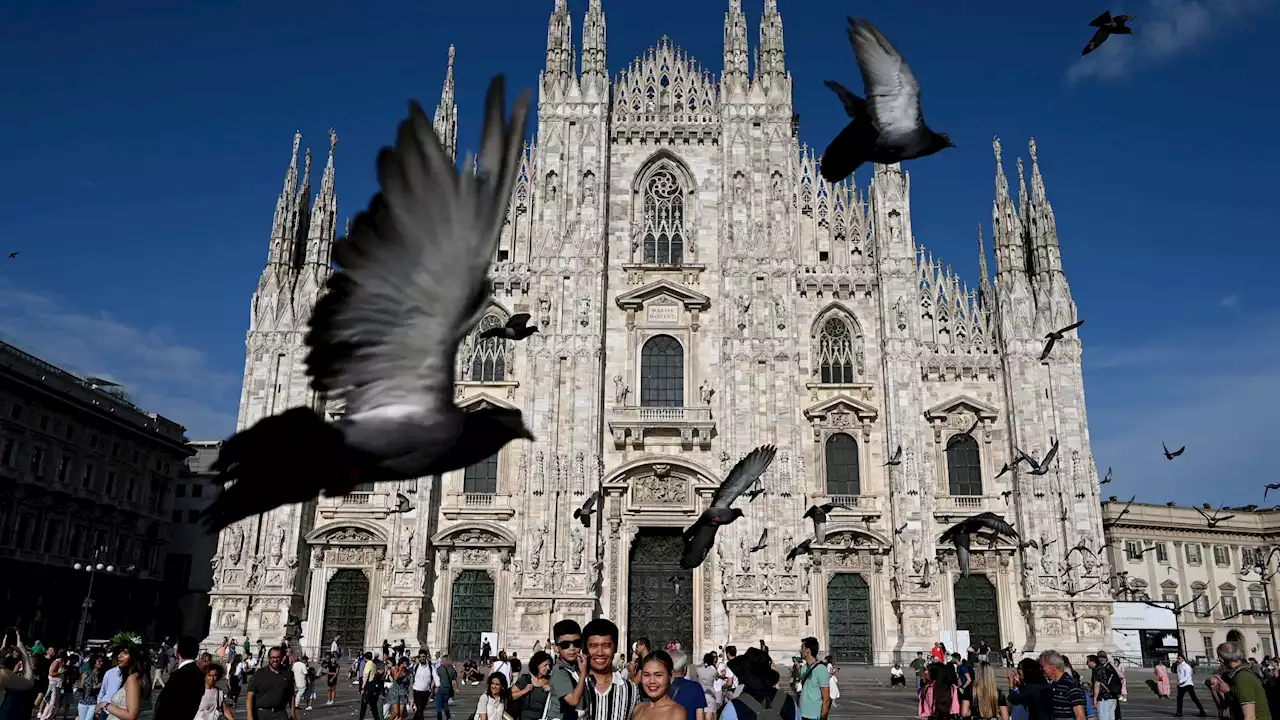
(662, 372)
(488, 356)
(482, 477)
(664, 218)
(842, 465)
(835, 352)
(964, 466)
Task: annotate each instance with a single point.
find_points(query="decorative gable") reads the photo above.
(841, 413)
(642, 296)
(483, 400)
(958, 415)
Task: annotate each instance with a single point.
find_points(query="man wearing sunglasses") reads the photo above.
(568, 676)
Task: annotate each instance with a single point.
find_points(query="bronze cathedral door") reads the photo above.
(659, 591)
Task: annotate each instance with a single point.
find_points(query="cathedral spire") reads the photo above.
(984, 282)
(446, 119)
(773, 66)
(559, 72)
(324, 215)
(736, 71)
(1006, 226)
(284, 224)
(595, 65)
(1047, 257)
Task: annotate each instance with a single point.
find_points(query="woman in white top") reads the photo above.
(493, 704)
(125, 703)
(502, 665)
(213, 704)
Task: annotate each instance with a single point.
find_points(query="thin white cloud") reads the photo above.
(1213, 391)
(1162, 30)
(1230, 302)
(159, 373)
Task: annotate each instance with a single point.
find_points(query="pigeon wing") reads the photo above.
(893, 93)
(853, 105)
(698, 540)
(743, 475)
(1098, 38)
(413, 273)
(994, 522)
(1103, 19)
(518, 320)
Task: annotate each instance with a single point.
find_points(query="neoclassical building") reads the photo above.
(700, 291)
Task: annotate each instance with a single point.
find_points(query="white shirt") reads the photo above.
(184, 663)
(503, 667)
(491, 707)
(299, 675)
(1186, 675)
(895, 672)
(423, 678)
(333, 647)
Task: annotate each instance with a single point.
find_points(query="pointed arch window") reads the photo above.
(481, 478)
(662, 372)
(841, 455)
(964, 466)
(488, 355)
(664, 218)
(835, 352)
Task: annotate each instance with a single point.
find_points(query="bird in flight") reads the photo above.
(1216, 518)
(819, 513)
(1042, 467)
(1268, 488)
(954, 439)
(1053, 337)
(412, 281)
(888, 126)
(896, 459)
(1171, 455)
(701, 535)
(1107, 26)
(804, 547)
(584, 513)
(1123, 511)
(1107, 479)
(763, 542)
(960, 533)
(517, 328)
(402, 503)
(13, 255)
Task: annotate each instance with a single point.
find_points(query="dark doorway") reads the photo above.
(978, 611)
(660, 592)
(849, 618)
(346, 609)
(471, 613)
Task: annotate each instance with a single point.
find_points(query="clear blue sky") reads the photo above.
(143, 149)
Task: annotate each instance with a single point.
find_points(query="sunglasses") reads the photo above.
(566, 644)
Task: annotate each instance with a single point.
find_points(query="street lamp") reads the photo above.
(1265, 573)
(93, 567)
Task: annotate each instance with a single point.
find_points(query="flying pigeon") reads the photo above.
(402, 503)
(1171, 455)
(413, 281)
(1052, 338)
(896, 459)
(1216, 518)
(954, 439)
(1107, 479)
(959, 533)
(754, 492)
(818, 513)
(1042, 467)
(701, 535)
(13, 255)
(588, 508)
(888, 126)
(1123, 511)
(1268, 488)
(804, 547)
(763, 542)
(1107, 26)
(517, 328)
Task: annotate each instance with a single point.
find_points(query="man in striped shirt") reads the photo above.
(610, 694)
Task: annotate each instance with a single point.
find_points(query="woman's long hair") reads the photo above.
(985, 692)
(942, 686)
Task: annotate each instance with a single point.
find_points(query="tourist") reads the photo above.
(493, 702)
(121, 694)
(446, 686)
(815, 690)
(424, 681)
(1068, 696)
(213, 703)
(1162, 679)
(1247, 699)
(270, 694)
(918, 667)
(897, 677)
(1104, 686)
(533, 689)
(568, 675)
(940, 700)
(639, 650)
(989, 701)
(657, 672)
(1187, 686)
(612, 695)
(86, 689)
(1030, 694)
(688, 694)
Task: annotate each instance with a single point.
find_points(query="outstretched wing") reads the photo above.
(853, 105)
(413, 272)
(698, 540)
(518, 320)
(743, 475)
(1098, 38)
(1103, 19)
(991, 521)
(893, 93)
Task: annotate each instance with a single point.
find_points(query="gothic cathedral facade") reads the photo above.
(699, 291)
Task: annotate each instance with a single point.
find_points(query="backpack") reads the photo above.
(771, 711)
(1109, 679)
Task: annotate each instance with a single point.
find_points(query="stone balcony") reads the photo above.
(864, 507)
(368, 500)
(692, 425)
(477, 506)
(962, 506)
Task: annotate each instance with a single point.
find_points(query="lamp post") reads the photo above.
(1265, 573)
(93, 567)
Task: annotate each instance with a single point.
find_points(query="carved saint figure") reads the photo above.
(776, 190)
(551, 186)
(406, 548)
(576, 546)
(1047, 562)
(535, 547)
(544, 308)
(620, 390)
(584, 311)
(277, 544)
(706, 391)
(236, 543)
(255, 577)
(917, 561)
(739, 187)
(744, 306)
(588, 187)
(744, 553)
(779, 312)
(726, 574)
(900, 314)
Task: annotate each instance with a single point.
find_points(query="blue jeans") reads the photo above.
(1107, 709)
(442, 703)
(84, 712)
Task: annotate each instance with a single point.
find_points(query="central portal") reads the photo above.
(660, 592)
